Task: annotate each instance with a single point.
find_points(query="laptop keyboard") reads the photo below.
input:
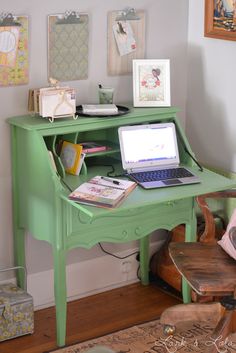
(163, 174)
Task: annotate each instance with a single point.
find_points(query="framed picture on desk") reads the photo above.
(151, 83)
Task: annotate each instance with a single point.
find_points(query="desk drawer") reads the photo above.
(125, 224)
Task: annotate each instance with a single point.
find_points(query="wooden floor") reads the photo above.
(94, 316)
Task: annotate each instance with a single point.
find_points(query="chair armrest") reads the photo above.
(209, 234)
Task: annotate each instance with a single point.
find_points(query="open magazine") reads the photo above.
(103, 191)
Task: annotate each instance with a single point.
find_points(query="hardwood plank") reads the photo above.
(94, 316)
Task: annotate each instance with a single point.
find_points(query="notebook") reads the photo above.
(150, 156)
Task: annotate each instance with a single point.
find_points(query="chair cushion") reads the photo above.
(228, 241)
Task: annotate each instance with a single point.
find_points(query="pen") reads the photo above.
(116, 182)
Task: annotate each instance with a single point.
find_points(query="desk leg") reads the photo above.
(186, 290)
(19, 255)
(190, 235)
(144, 260)
(19, 232)
(60, 294)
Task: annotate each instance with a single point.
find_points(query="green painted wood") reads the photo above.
(40, 194)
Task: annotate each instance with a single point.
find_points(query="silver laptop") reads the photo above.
(150, 156)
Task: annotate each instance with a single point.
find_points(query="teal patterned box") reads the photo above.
(16, 312)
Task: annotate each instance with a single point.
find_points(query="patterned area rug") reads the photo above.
(149, 338)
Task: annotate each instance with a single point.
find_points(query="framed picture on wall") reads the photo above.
(220, 19)
(151, 83)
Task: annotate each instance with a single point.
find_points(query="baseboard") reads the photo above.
(86, 278)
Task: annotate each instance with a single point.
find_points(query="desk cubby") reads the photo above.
(40, 197)
(106, 137)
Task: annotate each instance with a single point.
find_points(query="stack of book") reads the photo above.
(72, 154)
(100, 109)
(103, 192)
(93, 147)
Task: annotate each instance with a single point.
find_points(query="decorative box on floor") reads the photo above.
(16, 311)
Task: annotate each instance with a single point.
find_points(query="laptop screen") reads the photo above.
(151, 145)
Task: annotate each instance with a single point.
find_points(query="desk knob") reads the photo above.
(138, 231)
(171, 203)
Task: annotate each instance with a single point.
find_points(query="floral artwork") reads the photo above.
(14, 53)
(151, 83)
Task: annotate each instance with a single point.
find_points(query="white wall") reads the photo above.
(166, 37)
(211, 103)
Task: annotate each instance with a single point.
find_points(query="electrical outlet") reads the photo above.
(126, 266)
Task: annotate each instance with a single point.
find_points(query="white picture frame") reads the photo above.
(151, 83)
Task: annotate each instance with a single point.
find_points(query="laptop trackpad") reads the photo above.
(172, 182)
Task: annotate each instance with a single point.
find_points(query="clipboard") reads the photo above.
(68, 46)
(121, 63)
(13, 39)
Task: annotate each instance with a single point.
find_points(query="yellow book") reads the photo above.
(71, 157)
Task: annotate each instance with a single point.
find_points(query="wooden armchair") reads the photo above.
(210, 271)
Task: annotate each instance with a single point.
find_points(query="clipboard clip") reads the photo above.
(8, 19)
(127, 14)
(69, 17)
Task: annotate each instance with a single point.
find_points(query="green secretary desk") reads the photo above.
(40, 193)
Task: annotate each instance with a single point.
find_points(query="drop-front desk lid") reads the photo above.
(210, 182)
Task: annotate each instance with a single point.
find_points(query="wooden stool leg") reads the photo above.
(222, 331)
(224, 326)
